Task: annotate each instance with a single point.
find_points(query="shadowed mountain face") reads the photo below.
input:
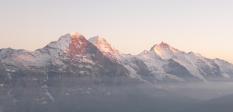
(178, 70)
(76, 74)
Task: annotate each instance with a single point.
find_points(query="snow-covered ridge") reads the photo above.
(64, 41)
(68, 43)
(161, 55)
(106, 48)
(161, 62)
(103, 45)
(164, 50)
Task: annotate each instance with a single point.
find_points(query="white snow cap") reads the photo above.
(164, 50)
(76, 35)
(64, 41)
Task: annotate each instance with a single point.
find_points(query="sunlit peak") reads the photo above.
(163, 45)
(164, 50)
(75, 35)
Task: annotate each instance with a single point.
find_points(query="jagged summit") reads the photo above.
(76, 34)
(97, 39)
(69, 43)
(164, 50)
(161, 61)
(102, 44)
(64, 41)
(78, 45)
(163, 45)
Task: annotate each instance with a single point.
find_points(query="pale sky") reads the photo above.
(202, 26)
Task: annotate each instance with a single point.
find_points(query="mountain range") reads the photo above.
(74, 54)
(92, 75)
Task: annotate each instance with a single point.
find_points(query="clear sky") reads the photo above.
(203, 26)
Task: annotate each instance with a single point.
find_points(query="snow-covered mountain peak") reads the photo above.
(97, 38)
(72, 45)
(163, 45)
(164, 50)
(75, 34)
(79, 45)
(161, 62)
(65, 42)
(62, 43)
(103, 45)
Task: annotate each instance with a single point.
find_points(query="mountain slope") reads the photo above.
(73, 68)
(198, 66)
(55, 70)
(163, 62)
(70, 47)
(136, 67)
